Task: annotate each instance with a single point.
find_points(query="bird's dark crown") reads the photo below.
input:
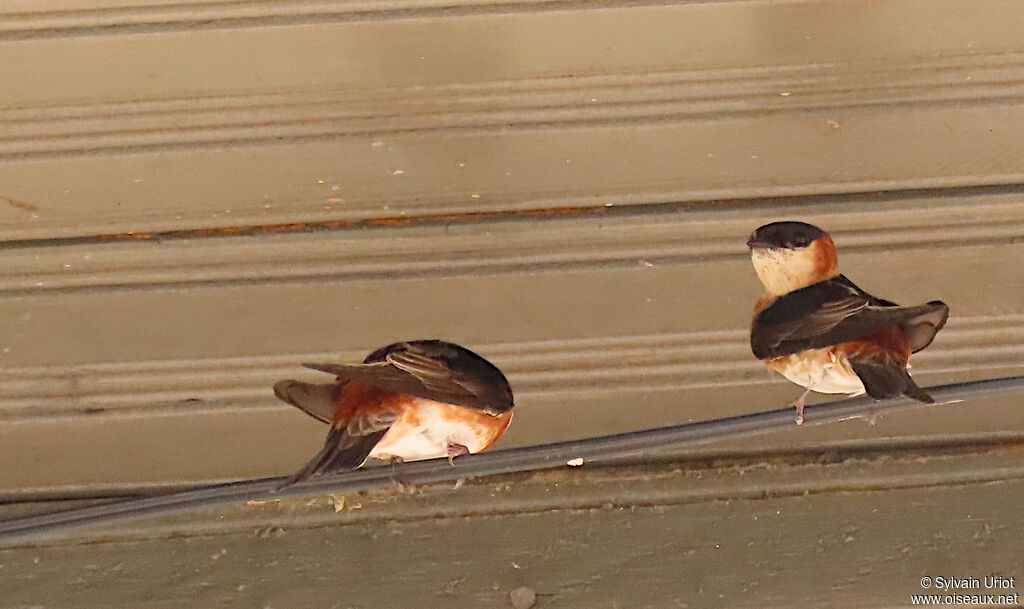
(785, 235)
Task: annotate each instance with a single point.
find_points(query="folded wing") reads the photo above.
(837, 311)
(435, 370)
(346, 447)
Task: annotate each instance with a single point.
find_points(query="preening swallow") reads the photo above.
(818, 329)
(407, 401)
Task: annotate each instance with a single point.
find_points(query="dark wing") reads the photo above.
(837, 311)
(318, 400)
(346, 447)
(435, 370)
(922, 328)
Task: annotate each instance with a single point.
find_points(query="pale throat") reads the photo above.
(784, 270)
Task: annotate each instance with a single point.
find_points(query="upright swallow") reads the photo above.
(819, 330)
(408, 401)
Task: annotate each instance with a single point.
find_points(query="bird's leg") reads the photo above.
(800, 403)
(456, 450)
(873, 418)
(401, 487)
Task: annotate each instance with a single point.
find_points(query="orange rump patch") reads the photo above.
(365, 400)
(889, 342)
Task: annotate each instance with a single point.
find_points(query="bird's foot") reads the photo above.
(456, 450)
(402, 487)
(800, 403)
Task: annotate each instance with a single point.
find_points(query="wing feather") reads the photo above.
(432, 369)
(346, 447)
(836, 311)
(318, 400)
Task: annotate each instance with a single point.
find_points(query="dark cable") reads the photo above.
(529, 458)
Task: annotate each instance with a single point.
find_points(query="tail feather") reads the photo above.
(885, 381)
(914, 392)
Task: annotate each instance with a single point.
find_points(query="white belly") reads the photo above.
(427, 435)
(820, 369)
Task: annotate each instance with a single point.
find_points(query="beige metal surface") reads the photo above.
(604, 317)
(233, 113)
(834, 529)
(197, 196)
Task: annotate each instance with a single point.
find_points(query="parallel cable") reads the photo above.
(529, 458)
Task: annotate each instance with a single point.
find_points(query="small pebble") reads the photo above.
(522, 597)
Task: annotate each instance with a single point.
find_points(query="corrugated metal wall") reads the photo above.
(195, 197)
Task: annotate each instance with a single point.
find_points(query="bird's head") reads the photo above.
(791, 255)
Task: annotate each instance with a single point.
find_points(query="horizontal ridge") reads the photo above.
(681, 361)
(610, 237)
(232, 121)
(194, 16)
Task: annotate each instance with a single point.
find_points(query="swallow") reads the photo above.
(408, 401)
(819, 330)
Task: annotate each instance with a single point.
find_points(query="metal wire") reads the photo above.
(530, 458)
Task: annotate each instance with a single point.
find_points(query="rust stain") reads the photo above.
(328, 225)
(601, 209)
(20, 204)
